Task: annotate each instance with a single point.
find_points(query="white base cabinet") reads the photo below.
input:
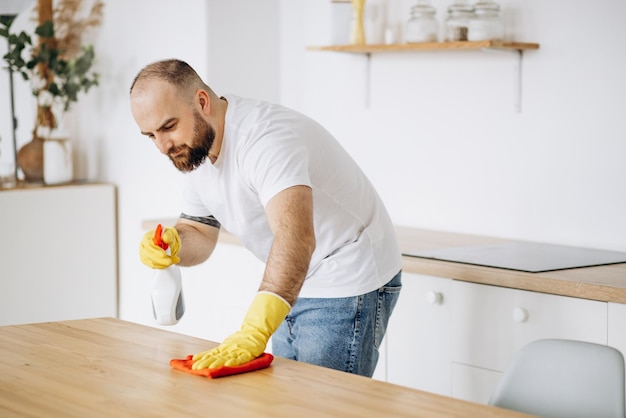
(418, 336)
(490, 324)
(59, 253)
(617, 326)
(456, 338)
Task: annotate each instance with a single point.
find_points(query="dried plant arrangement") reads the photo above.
(72, 19)
(58, 66)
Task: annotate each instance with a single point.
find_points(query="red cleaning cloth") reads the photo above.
(261, 362)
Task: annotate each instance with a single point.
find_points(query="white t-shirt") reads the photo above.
(267, 148)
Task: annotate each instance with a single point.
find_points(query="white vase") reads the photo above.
(57, 160)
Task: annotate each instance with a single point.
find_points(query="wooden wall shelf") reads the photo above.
(516, 48)
(427, 46)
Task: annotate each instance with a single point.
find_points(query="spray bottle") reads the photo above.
(168, 305)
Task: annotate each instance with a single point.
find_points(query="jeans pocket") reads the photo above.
(387, 298)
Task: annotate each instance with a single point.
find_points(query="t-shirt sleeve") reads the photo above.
(192, 203)
(276, 160)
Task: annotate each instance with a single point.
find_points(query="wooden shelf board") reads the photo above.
(426, 46)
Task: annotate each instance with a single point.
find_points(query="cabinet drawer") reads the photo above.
(473, 383)
(490, 324)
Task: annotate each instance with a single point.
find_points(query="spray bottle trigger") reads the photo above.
(157, 238)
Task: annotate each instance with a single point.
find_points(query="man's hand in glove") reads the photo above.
(154, 256)
(266, 313)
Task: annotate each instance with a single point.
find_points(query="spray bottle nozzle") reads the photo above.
(158, 239)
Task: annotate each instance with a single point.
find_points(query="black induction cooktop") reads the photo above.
(524, 256)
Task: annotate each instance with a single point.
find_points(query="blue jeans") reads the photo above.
(338, 333)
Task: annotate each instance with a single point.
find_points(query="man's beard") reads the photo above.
(191, 157)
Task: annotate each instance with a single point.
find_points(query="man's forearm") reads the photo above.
(196, 243)
(287, 266)
(290, 216)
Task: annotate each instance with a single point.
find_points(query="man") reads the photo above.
(282, 184)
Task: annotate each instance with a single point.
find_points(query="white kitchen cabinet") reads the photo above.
(490, 324)
(418, 336)
(617, 326)
(59, 253)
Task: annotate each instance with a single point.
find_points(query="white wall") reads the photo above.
(243, 48)
(438, 136)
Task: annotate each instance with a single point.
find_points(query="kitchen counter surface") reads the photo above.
(603, 283)
(107, 367)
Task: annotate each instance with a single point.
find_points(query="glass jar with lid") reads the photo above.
(457, 22)
(422, 25)
(486, 25)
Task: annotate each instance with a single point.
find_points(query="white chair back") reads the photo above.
(563, 378)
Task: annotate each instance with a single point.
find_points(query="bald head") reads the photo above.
(175, 72)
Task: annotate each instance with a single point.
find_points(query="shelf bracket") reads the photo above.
(518, 54)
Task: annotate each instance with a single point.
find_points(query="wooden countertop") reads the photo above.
(602, 283)
(111, 368)
(24, 186)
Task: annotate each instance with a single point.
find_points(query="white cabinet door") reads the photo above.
(418, 337)
(490, 324)
(617, 327)
(59, 253)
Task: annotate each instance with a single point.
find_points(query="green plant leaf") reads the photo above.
(46, 29)
(54, 89)
(7, 20)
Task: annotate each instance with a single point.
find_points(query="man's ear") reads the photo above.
(203, 101)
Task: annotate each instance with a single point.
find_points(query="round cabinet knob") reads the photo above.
(520, 315)
(434, 298)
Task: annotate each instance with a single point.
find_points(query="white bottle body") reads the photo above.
(167, 296)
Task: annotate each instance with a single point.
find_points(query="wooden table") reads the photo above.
(109, 367)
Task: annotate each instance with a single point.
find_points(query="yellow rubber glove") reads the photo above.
(264, 316)
(156, 257)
